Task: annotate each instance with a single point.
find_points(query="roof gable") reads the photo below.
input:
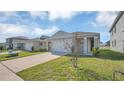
(61, 34)
(19, 37)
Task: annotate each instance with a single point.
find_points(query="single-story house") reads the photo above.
(2, 44)
(24, 43)
(61, 42)
(82, 42)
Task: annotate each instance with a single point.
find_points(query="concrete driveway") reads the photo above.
(20, 64)
(8, 75)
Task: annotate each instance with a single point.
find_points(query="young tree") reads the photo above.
(74, 56)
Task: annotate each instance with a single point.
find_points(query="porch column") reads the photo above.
(96, 42)
(85, 44)
(47, 45)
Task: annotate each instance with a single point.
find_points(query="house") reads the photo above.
(2, 44)
(83, 42)
(107, 44)
(117, 33)
(25, 43)
(102, 44)
(60, 42)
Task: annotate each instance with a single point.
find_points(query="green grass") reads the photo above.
(89, 68)
(4, 57)
(112, 55)
(5, 50)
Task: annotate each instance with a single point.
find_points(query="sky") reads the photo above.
(33, 24)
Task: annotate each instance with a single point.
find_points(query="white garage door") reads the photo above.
(28, 46)
(59, 46)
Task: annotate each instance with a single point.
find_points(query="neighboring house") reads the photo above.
(3, 44)
(107, 44)
(117, 33)
(102, 44)
(24, 43)
(83, 42)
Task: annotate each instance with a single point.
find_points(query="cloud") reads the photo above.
(104, 19)
(9, 13)
(93, 24)
(38, 14)
(5, 15)
(48, 31)
(10, 30)
(54, 15)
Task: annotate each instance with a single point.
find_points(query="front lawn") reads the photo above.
(5, 50)
(4, 57)
(89, 68)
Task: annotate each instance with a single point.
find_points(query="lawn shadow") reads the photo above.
(59, 53)
(79, 56)
(89, 75)
(111, 55)
(106, 54)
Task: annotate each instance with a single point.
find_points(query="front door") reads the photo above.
(92, 44)
(49, 46)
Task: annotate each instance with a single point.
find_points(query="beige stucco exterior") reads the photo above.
(28, 44)
(63, 42)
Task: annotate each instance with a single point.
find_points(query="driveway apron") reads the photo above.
(19, 64)
(7, 75)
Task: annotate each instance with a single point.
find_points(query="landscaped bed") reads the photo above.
(4, 57)
(89, 68)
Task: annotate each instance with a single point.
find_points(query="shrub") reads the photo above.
(42, 50)
(32, 48)
(95, 51)
(1, 48)
(13, 55)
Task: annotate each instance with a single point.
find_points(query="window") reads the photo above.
(122, 30)
(115, 43)
(112, 43)
(41, 44)
(115, 29)
(112, 32)
(122, 27)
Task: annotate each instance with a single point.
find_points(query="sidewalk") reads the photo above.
(7, 75)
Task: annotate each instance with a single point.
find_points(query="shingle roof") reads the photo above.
(116, 20)
(20, 37)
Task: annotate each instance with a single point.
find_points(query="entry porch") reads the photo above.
(85, 44)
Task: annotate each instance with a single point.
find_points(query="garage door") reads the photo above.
(28, 46)
(58, 46)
